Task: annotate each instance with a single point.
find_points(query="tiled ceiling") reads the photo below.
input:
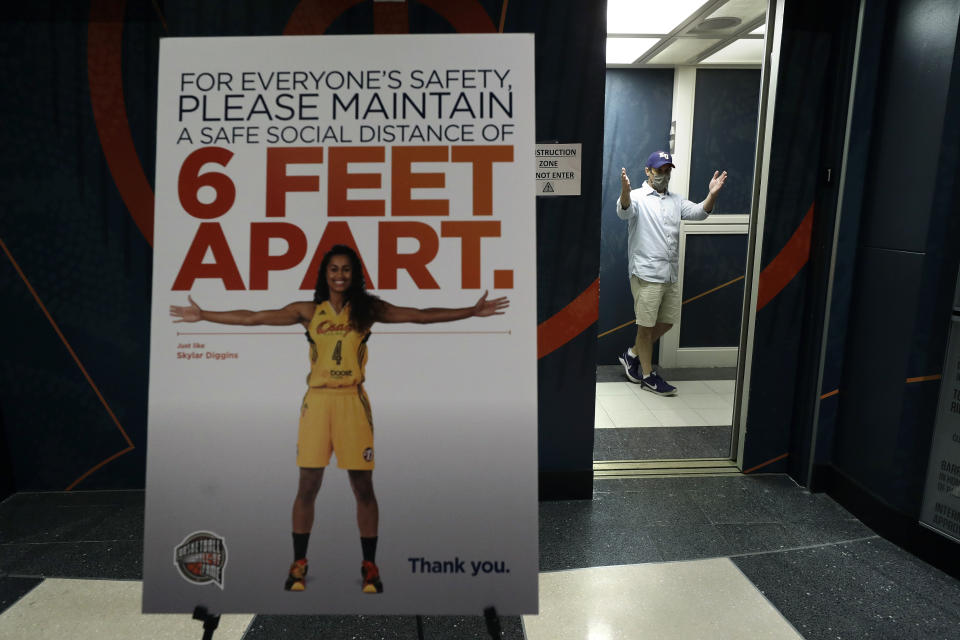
(685, 32)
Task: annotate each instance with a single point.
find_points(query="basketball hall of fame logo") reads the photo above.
(201, 558)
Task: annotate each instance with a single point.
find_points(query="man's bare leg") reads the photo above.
(643, 345)
(643, 349)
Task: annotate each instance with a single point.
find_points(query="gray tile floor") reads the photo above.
(826, 573)
(662, 443)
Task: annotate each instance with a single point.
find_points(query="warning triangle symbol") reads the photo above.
(548, 188)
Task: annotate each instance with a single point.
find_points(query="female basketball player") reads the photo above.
(335, 415)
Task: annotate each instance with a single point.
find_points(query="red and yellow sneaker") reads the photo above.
(297, 576)
(371, 578)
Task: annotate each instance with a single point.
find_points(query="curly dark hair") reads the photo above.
(362, 304)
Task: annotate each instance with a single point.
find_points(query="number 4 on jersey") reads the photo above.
(336, 352)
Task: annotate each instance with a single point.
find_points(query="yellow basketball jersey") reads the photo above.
(338, 353)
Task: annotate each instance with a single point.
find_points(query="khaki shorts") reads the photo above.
(655, 302)
(337, 421)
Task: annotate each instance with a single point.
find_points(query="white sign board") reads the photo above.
(941, 497)
(410, 150)
(558, 169)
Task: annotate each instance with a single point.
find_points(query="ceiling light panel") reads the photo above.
(741, 51)
(626, 50)
(681, 50)
(648, 16)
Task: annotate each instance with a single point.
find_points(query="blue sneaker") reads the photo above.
(655, 384)
(631, 364)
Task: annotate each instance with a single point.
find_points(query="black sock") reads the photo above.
(369, 546)
(300, 545)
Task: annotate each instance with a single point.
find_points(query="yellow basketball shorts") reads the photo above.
(335, 420)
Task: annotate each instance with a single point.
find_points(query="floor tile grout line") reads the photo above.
(59, 577)
(599, 406)
(246, 629)
(803, 547)
(16, 544)
(637, 395)
(727, 557)
(73, 493)
(764, 596)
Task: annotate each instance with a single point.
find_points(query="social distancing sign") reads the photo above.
(399, 431)
(558, 169)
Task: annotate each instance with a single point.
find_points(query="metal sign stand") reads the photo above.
(490, 617)
(210, 621)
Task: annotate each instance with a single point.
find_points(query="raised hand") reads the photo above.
(717, 182)
(493, 307)
(191, 313)
(624, 189)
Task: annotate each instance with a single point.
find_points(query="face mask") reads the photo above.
(659, 181)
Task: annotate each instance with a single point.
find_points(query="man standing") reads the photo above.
(653, 217)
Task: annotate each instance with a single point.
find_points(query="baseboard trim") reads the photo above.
(566, 485)
(903, 530)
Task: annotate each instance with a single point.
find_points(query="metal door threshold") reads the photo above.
(615, 469)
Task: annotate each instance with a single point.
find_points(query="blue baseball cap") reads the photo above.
(659, 158)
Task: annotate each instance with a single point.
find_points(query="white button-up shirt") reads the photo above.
(653, 232)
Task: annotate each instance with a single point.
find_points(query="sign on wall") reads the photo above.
(558, 169)
(410, 150)
(941, 498)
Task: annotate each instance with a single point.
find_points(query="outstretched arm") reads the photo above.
(387, 312)
(713, 190)
(291, 314)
